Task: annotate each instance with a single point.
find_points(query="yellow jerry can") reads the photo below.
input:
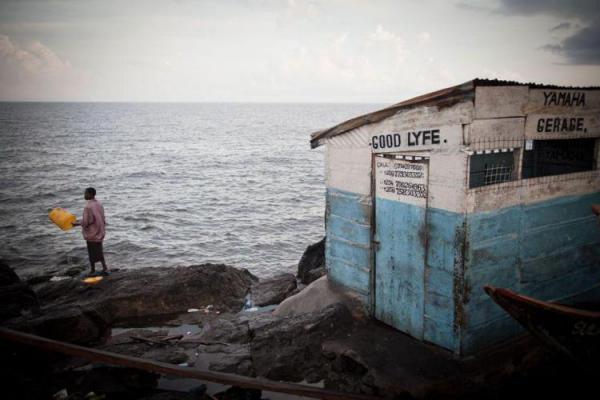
(62, 218)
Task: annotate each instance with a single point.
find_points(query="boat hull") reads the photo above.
(570, 331)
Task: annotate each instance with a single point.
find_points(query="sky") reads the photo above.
(365, 51)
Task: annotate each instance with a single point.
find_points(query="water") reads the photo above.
(181, 183)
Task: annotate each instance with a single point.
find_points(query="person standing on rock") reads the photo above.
(93, 228)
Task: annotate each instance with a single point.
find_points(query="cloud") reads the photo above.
(560, 27)
(423, 38)
(581, 47)
(582, 9)
(34, 72)
(392, 43)
(473, 7)
(382, 35)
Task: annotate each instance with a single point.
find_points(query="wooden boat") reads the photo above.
(574, 332)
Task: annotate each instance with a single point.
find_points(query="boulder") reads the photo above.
(318, 295)
(273, 290)
(290, 348)
(16, 297)
(126, 297)
(7, 275)
(279, 348)
(71, 324)
(312, 263)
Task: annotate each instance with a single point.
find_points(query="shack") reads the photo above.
(487, 182)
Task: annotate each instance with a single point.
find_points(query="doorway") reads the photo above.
(401, 193)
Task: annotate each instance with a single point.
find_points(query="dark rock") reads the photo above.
(7, 275)
(315, 274)
(74, 271)
(379, 360)
(166, 355)
(273, 290)
(126, 343)
(16, 298)
(199, 390)
(280, 348)
(313, 260)
(65, 323)
(228, 357)
(290, 348)
(36, 280)
(126, 296)
(238, 393)
(110, 381)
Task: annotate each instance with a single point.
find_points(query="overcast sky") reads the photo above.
(288, 50)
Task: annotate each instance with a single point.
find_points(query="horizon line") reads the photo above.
(190, 102)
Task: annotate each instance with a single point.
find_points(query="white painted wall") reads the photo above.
(529, 191)
(502, 117)
(349, 155)
(500, 101)
(506, 117)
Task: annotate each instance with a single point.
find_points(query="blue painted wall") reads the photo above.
(348, 257)
(348, 244)
(548, 250)
(400, 260)
(443, 274)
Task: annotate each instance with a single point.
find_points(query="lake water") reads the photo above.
(181, 183)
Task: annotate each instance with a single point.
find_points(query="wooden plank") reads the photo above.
(105, 357)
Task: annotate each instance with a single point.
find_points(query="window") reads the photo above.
(556, 157)
(490, 167)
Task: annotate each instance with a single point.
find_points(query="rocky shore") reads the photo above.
(214, 317)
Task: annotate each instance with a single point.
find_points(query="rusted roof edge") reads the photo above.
(444, 97)
(455, 93)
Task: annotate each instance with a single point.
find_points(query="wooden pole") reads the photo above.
(105, 357)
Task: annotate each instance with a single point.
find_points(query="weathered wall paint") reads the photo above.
(563, 126)
(445, 258)
(529, 191)
(548, 250)
(500, 101)
(348, 244)
(349, 169)
(496, 133)
(349, 208)
(433, 315)
(561, 101)
(348, 251)
(536, 235)
(417, 139)
(448, 181)
(401, 229)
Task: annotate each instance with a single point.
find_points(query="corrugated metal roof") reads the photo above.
(441, 98)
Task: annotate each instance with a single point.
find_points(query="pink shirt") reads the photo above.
(93, 221)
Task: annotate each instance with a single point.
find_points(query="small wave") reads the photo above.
(133, 218)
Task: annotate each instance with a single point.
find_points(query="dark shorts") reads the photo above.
(95, 252)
